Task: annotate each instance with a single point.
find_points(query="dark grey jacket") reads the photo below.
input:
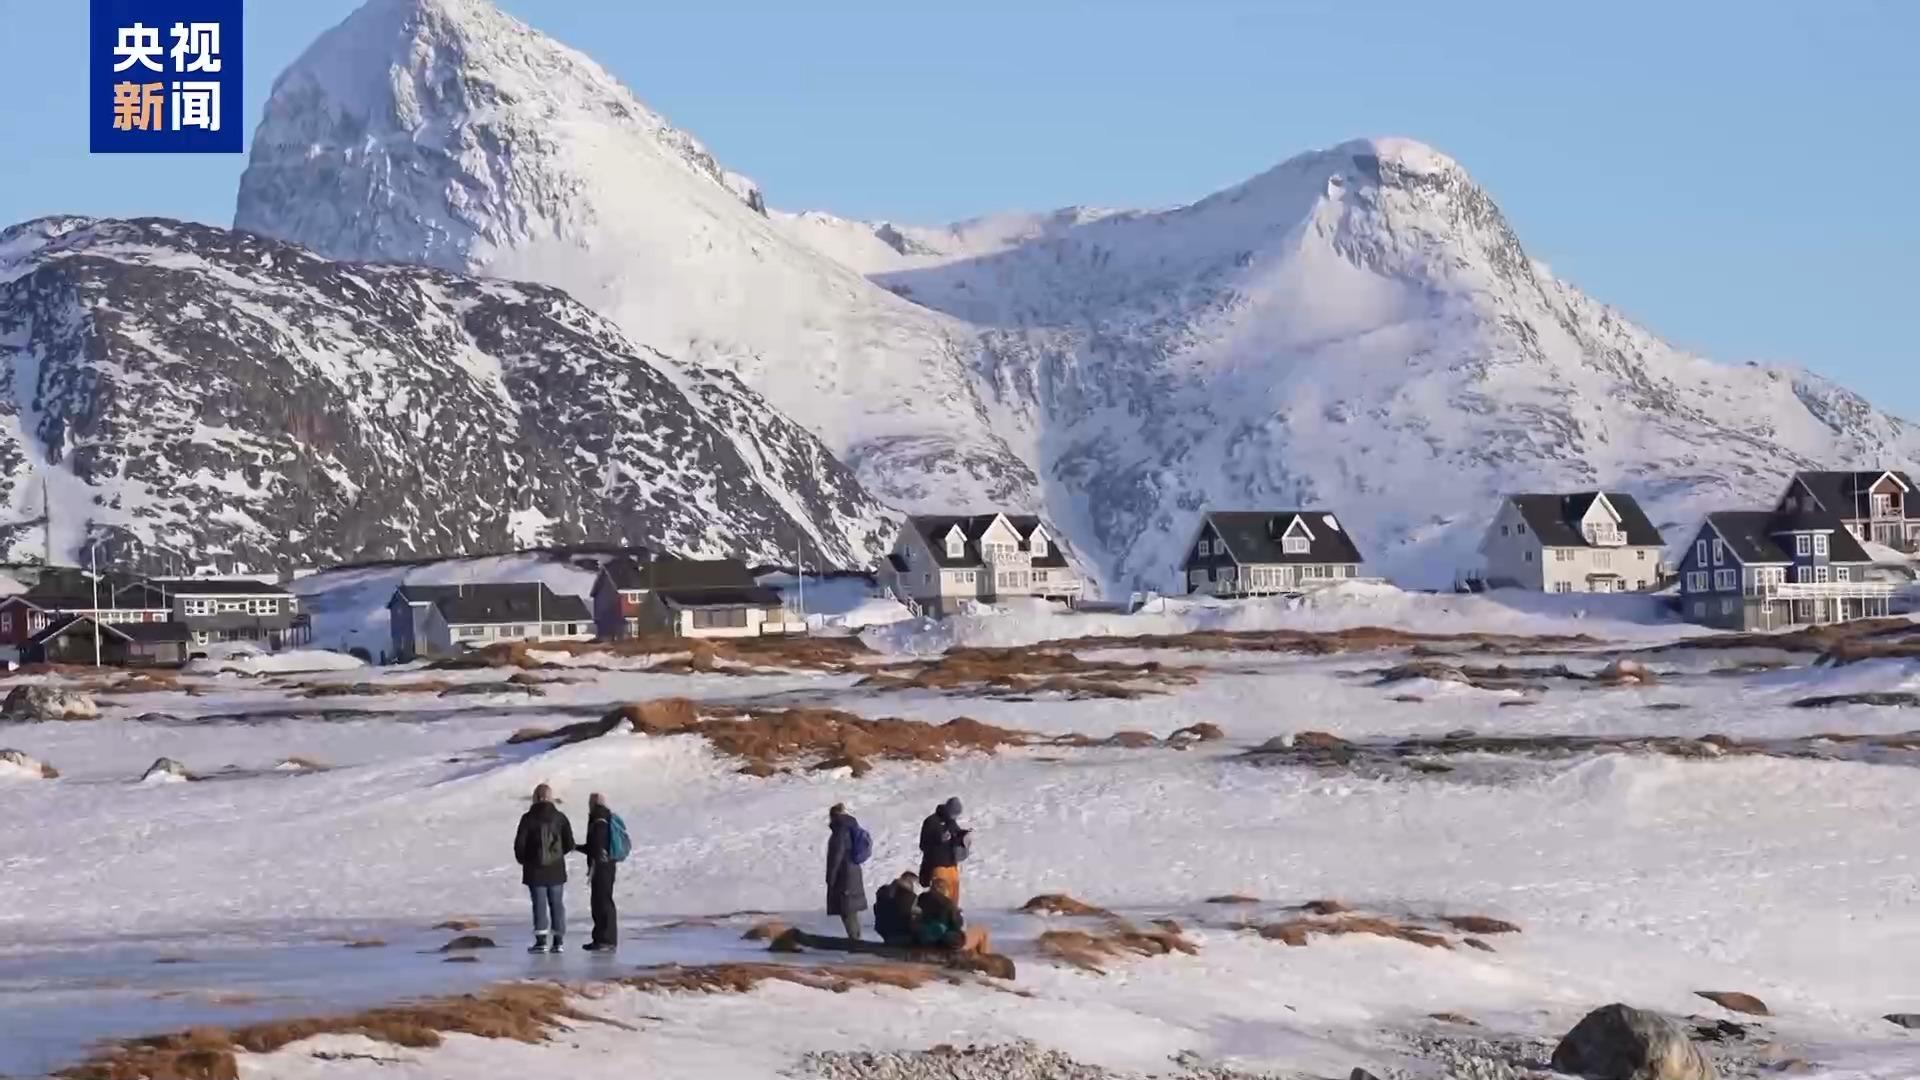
(534, 868)
(846, 888)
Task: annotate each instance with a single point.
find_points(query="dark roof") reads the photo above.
(1844, 494)
(1555, 518)
(703, 598)
(673, 573)
(140, 631)
(498, 602)
(935, 527)
(214, 586)
(1253, 536)
(1752, 535)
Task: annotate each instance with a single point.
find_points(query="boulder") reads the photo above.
(1618, 1042)
(21, 763)
(1735, 1001)
(165, 771)
(44, 703)
(1623, 672)
(1201, 732)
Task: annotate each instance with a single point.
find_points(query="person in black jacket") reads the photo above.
(540, 847)
(894, 911)
(600, 871)
(846, 887)
(943, 844)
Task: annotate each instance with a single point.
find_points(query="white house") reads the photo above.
(1583, 541)
(939, 562)
(438, 620)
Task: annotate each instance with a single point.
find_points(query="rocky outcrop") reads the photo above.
(1618, 1042)
(166, 771)
(21, 763)
(47, 703)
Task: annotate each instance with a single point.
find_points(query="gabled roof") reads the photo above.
(142, 631)
(755, 596)
(1845, 494)
(1555, 518)
(1253, 536)
(935, 527)
(671, 573)
(213, 586)
(1754, 536)
(493, 603)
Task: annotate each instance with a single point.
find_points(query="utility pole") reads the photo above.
(96, 602)
(800, 575)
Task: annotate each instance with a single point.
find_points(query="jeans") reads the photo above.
(549, 910)
(851, 920)
(606, 918)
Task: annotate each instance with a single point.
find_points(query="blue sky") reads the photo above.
(1739, 176)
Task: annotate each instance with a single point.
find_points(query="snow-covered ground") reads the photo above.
(1635, 878)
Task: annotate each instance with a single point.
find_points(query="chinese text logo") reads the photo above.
(166, 76)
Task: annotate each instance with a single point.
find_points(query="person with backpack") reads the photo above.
(848, 845)
(541, 847)
(894, 911)
(606, 847)
(943, 847)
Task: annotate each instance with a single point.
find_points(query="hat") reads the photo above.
(542, 793)
(952, 807)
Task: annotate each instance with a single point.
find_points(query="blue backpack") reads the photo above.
(861, 846)
(618, 844)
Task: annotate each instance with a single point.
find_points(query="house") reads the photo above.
(940, 562)
(55, 597)
(1267, 552)
(1872, 505)
(71, 640)
(440, 620)
(1582, 542)
(234, 609)
(1768, 569)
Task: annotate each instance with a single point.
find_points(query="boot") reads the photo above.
(540, 942)
(555, 947)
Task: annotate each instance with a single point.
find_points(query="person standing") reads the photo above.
(848, 845)
(604, 850)
(541, 847)
(943, 847)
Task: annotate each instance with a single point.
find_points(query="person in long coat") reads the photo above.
(846, 888)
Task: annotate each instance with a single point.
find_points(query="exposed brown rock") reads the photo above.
(1026, 671)
(1736, 1001)
(467, 943)
(1479, 924)
(765, 931)
(1200, 732)
(1062, 904)
(1298, 932)
(1233, 898)
(1093, 951)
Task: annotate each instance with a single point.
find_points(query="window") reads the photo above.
(1529, 556)
(1521, 528)
(719, 618)
(1724, 580)
(1562, 554)
(1700, 552)
(1196, 578)
(1697, 581)
(196, 607)
(1719, 551)
(1820, 575)
(956, 544)
(1205, 549)
(513, 631)
(1803, 574)
(1842, 573)
(1640, 584)
(1505, 530)
(1727, 605)
(6, 622)
(1802, 544)
(1563, 586)
(1820, 544)
(1039, 575)
(1640, 554)
(1603, 558)
(231, 605)
(1294, 545)
(1883, 506)
(1040, 544)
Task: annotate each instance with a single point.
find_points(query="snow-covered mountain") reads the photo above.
(1357, 328)
(207, 390)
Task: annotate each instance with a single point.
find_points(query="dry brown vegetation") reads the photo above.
(1095, 950)
(1329, 642)
(765, 931)
(1315, 748)
(1736, 1001)
(316, 689)
(523, 1012)
(1021, 672)
(741, 978)
(1332, 918)
(1062, 904)
(723, 655)
(457, 925)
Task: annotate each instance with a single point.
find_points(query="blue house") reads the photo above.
(1775, 569)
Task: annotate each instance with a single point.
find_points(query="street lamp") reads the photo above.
(95, 559)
